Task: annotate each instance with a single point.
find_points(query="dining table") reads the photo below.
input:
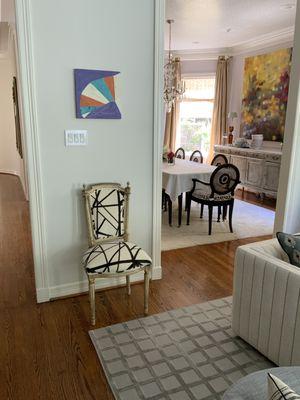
(177, 179)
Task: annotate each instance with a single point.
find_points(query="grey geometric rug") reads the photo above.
(185, 354)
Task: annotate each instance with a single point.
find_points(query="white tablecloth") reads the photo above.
(177, 178)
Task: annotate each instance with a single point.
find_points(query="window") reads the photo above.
(195, 115)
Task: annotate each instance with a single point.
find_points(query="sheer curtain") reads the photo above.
(172, 117)
(219, 120)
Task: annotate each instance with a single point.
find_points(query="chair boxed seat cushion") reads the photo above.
(114, 257)
(255, 385)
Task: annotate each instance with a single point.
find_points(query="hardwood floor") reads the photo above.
(45, 350)
(250, 197)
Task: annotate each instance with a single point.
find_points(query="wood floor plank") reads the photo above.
(45, 349)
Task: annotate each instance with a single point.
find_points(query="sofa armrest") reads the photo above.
(266, 309)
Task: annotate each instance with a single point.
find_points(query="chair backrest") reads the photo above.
(224, 179)
(197, 156)
(106, 207)
(180, 153)
(219, 159)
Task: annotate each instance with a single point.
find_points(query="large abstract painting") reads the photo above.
(95, 94)
(265, 94)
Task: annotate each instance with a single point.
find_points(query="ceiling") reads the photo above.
(225, 23)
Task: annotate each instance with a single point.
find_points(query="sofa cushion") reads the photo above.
(278, 390)
(291, 245)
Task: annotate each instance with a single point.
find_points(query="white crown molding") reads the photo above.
(283, 36)
(200, 55)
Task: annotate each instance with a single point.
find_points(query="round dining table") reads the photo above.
(178, 179)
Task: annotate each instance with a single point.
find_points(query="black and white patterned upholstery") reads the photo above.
(115, 257)
(279, 390)
(107, 212)
(110, 252)
(204, 193)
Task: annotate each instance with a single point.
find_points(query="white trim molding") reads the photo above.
(287, 217)
(31, 144)
(284, 37)
(158, 124)
(74, 288)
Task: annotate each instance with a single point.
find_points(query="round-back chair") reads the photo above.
(219, 192)
(197, 156)
(180, 153)
(224, 180)
(219, 159)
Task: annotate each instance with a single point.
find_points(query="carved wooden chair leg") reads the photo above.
(128, 285)
(92, 299)
(146, 288)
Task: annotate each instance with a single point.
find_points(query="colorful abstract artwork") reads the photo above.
(265, 94)
(95, 94)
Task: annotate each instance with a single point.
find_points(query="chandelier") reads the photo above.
(173, 86)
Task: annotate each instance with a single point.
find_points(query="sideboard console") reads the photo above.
(259, 169)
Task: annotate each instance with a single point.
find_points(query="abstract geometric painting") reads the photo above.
(95, 94)
(265, 94)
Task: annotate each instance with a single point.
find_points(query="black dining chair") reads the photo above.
(219, 159)
(180, 153)
(219, 192)
(197, 156)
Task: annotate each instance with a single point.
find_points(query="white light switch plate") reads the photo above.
(75, 138)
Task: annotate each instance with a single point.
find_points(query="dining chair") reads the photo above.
(219, 159)
(219, 192)
(180, 153)
(110, 254)
(197, 156)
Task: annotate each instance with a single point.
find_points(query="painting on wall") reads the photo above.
(95, 94)
(265, 94)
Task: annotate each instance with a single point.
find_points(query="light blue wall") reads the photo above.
(94, 34)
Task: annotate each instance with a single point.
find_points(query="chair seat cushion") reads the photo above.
(114, 257)
(205, 194)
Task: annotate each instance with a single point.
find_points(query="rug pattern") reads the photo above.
(186, 354)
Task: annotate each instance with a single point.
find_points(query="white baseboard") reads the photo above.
(9, 172)
(42, 295)
(80, 287)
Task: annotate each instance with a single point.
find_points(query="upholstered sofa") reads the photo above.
(266, 301)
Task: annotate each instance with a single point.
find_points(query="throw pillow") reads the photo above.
(278, 390)
(291, 245)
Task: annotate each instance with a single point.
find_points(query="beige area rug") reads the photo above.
(249, 220)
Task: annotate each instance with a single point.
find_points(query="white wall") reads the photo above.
(237, 76)
(288, 201)
(93, 34)
(10, 160)
(198, 67)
